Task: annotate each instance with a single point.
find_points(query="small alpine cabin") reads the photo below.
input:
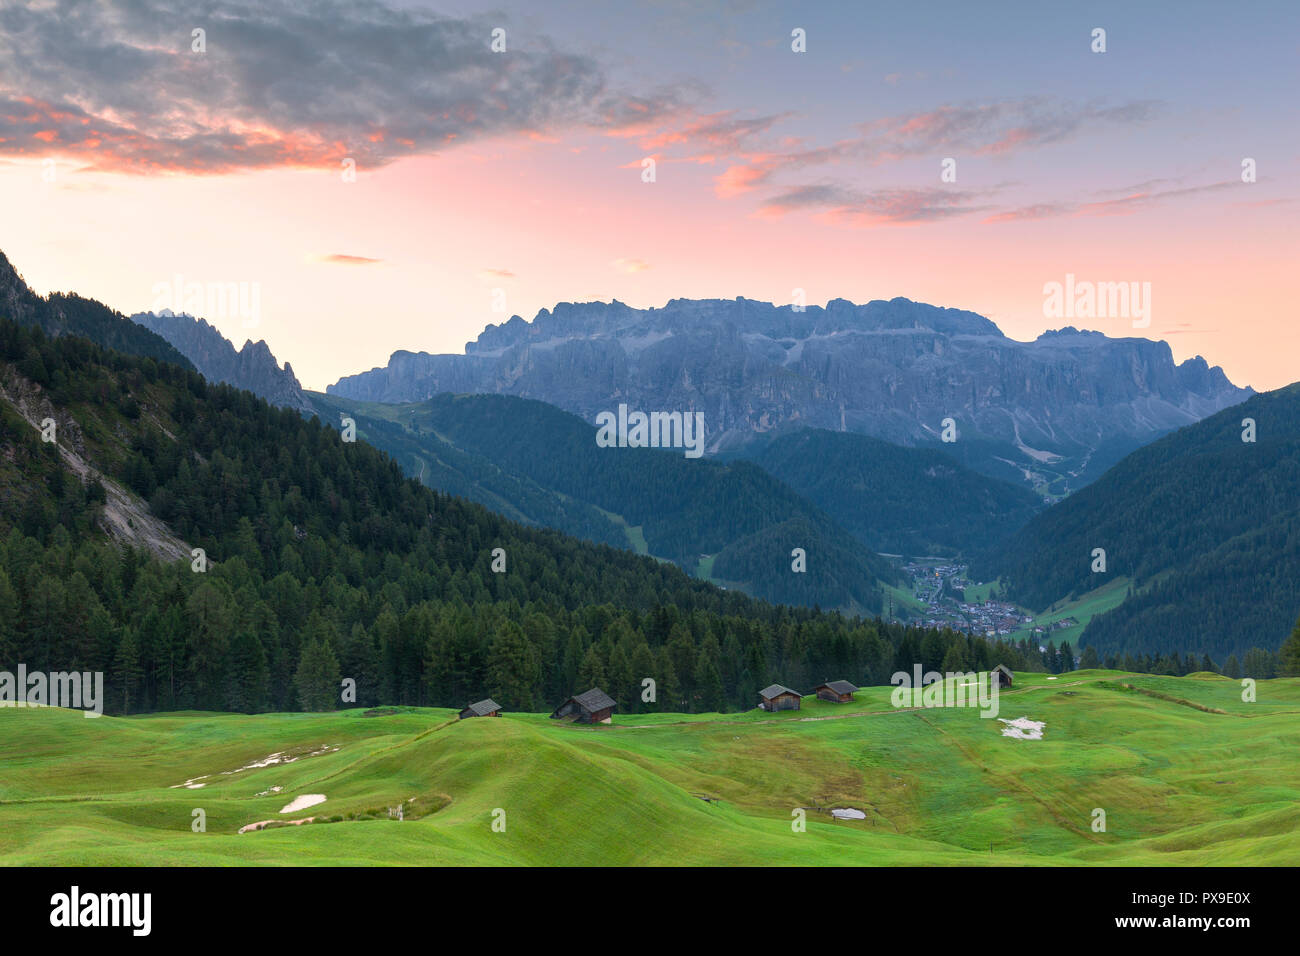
(839, 691)
(484, 708)
(593, 707)
(1001, 675)
(776, 698)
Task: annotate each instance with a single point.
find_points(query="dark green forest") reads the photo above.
(765, 561)
(446, 467)
(508, 447)
(910, 501)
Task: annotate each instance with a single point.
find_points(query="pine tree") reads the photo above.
(932, 652)
(1289, 654)
(317, 678)
(513, 668)
(669, 690)
(211, 614)
(953, 662)
(643, 666)
(1231, 668)
(591, 672)
(709, 681)
(622, 685)
(248, 673)
(8, 620)
(359, 660)
(575, 648)
(1258, 664)
(681, 651)
(126, 667)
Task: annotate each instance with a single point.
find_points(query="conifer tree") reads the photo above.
(1289, 654)
(513, 668)
(317, 678)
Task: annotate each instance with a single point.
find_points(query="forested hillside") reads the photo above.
(1204, 524)
(517, 454)
(329, 564)
(912, 501)
(437, 463)
(60, 314)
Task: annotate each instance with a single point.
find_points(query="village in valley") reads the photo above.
(950, 599)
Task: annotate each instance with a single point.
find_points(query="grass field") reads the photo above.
(1187, 774)
(905, 603)
(1083, 609)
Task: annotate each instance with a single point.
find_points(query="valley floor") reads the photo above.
(1186, 772)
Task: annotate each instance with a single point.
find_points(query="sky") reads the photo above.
(375, 176)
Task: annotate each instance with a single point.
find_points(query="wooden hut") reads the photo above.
(839, 691)
(595, 706)
(776, 698)
(1001, 675)
(483, 708)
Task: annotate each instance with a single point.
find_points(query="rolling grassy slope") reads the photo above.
(1187, 773)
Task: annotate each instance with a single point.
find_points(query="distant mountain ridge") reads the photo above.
(252, 367)
(1053, 412)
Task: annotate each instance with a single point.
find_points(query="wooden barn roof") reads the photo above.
(484, 707)
(839, 686)
(776, 690)
(1005, 669)
(595, 699)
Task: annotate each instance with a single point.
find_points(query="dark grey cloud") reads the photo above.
(281, 82)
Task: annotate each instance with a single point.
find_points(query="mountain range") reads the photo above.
(253, 367)
(1199, 527)
(1053, 413)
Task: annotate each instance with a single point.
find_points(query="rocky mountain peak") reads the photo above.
(253, 367)
(892, 369)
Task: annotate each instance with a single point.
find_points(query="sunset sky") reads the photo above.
(128, 159)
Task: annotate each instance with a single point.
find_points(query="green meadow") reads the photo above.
(1187, 773)
(1083, 609)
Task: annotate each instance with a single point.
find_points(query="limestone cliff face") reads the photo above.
(893, 370)
(253, 367)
